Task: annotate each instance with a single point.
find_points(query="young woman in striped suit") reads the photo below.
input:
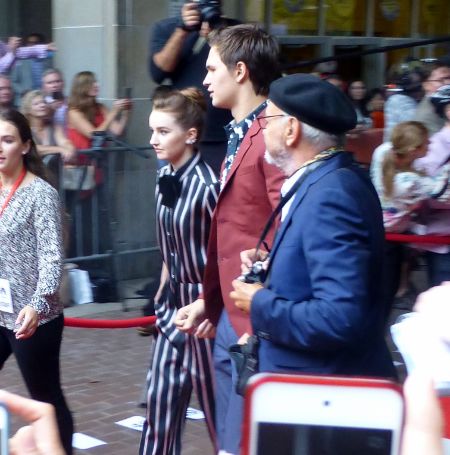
(186, 194)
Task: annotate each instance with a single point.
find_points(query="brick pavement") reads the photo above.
(103, 375)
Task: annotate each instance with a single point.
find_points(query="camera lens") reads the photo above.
(210, 11)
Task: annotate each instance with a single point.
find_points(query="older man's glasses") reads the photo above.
(262, 121)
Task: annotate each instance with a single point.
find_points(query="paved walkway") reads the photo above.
(103, 376)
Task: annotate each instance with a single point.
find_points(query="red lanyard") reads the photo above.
(13, 189)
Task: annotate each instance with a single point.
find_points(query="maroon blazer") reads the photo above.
(250, 194)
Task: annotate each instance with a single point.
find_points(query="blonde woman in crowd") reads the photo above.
(49, 138)
(402, 191)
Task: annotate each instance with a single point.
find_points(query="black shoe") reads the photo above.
(147, 330)
(149, 290)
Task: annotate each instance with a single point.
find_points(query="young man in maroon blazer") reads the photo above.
(242, 63)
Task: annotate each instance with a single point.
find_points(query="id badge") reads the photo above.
(5, 296)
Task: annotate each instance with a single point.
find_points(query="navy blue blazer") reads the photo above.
(321, 310)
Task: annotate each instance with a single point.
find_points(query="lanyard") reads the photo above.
(16, 185)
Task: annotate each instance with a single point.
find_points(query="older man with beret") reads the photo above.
(321, 308)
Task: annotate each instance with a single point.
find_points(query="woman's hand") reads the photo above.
(190, 317)
(69, 156)
(122, 105)
(28, 320)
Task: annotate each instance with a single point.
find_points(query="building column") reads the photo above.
(110, 38)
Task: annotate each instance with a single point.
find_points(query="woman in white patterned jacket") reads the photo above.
(31, 319)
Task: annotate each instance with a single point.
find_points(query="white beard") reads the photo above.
(282, 160)
(268, 158)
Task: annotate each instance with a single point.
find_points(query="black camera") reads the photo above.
(54, 96)
(256, 274)
(210, 11)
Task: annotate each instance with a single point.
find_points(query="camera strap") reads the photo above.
(310, 166)
(198, 45)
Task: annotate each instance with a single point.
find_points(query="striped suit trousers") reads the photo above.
(179, 366)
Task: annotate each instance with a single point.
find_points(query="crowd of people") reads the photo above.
(59, 124)
(333, 314)
(31, 216)
(288, 198)
(308, 301)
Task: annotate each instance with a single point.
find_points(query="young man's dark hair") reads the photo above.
(253, 46)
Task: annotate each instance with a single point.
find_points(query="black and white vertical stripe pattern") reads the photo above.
(182, 233)
(181, 362)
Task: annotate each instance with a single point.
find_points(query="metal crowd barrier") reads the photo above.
(100, 221)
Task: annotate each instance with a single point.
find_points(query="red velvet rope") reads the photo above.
(108, 323)
(410, 238)
(137, 322)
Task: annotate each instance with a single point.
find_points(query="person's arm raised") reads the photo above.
(167, 58)
(78, 121)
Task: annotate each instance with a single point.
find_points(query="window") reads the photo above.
(345, 17)
(392, 18)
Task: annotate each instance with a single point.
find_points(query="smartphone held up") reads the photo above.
(322, 415)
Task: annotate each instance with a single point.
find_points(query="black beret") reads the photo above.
(314, 101)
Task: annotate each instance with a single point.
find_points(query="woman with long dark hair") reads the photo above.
(357, 93)
(31, 315)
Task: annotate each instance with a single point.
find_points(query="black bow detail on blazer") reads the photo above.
(170, 189)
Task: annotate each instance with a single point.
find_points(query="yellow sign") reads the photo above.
(432, 10)
(341, 8)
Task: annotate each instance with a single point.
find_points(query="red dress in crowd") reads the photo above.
(80, 141)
